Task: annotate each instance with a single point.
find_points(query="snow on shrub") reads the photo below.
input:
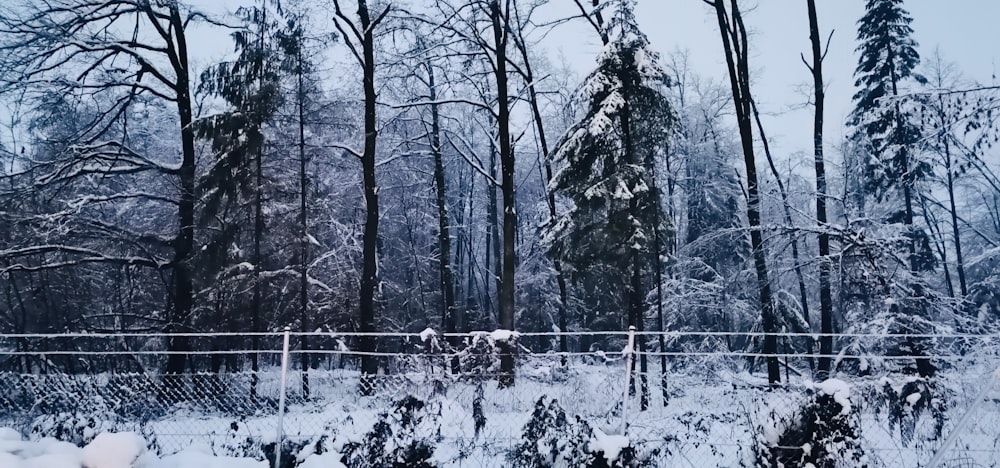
(550, 438)
(79, 427)
(319, 452)
(820, 431)
(481, 356)
(404, 437)
(908, 401)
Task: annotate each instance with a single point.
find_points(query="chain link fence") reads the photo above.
(699, 400)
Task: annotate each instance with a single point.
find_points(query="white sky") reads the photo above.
(963, 29)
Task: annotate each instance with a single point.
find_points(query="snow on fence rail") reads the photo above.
(706, 400)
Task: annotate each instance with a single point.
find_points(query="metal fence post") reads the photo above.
(281, 400)
(629, 353)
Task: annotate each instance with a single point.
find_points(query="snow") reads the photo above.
(117, 450)
(503, 335)
(26, 450)
(9, 461)
(323, 460)
(716, 415)
(772, 433)
(610, 445)
(622, 192)
(427, 334)
(840, 391)
(54, 460)
(191, 458)
(114, 450)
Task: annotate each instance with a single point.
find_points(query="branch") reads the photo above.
(470, 102)
(345, 148)
(827, 48)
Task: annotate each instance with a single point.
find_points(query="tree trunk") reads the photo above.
(803, 297)
(658, 269)
(470, 298)
(953, 211)
(506, 293)
(636, 293)
(494, 258)
(825, 294)
(736, 50)
(907, 177)
(300, 97)
(447, 282)
(369, 270)
(183, 290)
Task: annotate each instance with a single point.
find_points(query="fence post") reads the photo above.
(281, 400)
(939, 456)
(629, 354)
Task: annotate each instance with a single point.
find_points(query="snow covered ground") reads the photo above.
(107, 450)
(718, 414)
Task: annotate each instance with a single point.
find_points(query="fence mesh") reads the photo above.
(703, 405)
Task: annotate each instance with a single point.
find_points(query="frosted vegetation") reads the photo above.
(420, 189)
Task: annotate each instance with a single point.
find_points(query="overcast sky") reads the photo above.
(964, 30)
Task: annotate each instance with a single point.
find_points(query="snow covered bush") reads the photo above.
(405, 437)
(550, 438)
(239, 441)
(821, 432)
(321, 448)
(78, 427)
(480, 359)
(911, 400)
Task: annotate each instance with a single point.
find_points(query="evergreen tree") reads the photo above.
(887, 137)
(888, 57)
(602, 168)
(234, 184)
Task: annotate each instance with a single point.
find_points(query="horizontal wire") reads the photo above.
(613, 356)
(615, 333)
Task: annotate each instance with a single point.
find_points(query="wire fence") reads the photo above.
(699, 399)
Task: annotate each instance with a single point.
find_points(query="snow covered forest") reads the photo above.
(362, 171)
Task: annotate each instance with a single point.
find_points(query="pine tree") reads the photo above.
(888, 57)
(606, 237)
(234, 183)
(888, 138)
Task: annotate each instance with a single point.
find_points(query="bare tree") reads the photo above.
(735, 46)
(481, 30)
(360, 39)
(126, 49)
(499, 19)
(825, 295)
(528, 75)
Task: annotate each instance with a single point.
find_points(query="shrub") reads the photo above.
(550, 438)
(910, 400)
(820, 433)
(405, 437)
